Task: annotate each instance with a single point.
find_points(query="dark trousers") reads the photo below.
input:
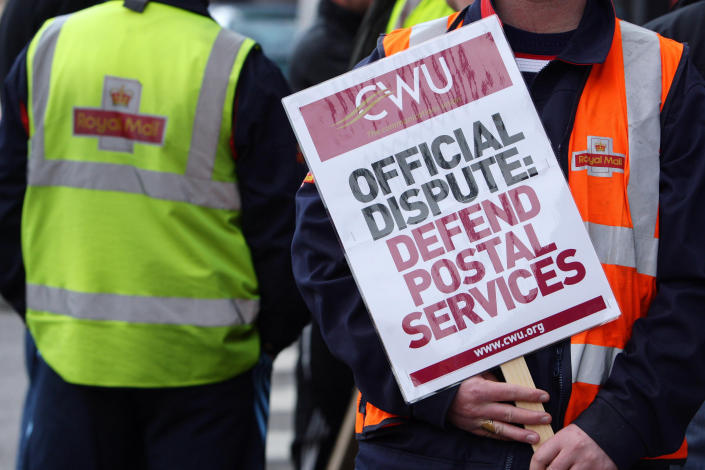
(324, 387)
(73, 427)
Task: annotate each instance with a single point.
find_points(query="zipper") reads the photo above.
(509, 461)
(562, 389)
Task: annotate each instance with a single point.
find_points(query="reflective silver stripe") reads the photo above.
(134, 309)
(128, 179)
(428, 30)
(41, 80)
(614, 245)
(592, 364)
(211, 100)
(637, 247)
(642, 74)
(195, 187)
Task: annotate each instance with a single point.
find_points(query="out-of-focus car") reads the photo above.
(272, 24)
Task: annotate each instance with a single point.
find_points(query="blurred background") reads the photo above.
(276, 25)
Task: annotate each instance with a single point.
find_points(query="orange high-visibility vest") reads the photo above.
(614, 179)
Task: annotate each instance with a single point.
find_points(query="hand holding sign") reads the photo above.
(482, 398)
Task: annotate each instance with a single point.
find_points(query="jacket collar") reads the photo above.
(196, 6)
(591, 41)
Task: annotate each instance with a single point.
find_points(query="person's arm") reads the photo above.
(656, 384)
(13, 182)
(17, 26)
(331, 294)
(269, 174)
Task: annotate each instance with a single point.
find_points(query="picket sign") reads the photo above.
(455, 218)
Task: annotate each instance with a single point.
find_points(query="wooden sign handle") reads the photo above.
(517, 372)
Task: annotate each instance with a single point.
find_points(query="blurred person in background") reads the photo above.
(384, 16)
(685, 23)
(323, 51)
(147, 174)
(324, 385)
(407, 13)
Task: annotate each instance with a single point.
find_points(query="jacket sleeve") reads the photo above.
(13, 182)
(331, 294)
(656, 384)
(269, 172)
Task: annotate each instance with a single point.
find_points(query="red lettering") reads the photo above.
(470, 225)
(461, 305)
(493, 212)
(467, 262)
(506, 295)
(424, 244)
(542, 277)
(566, 266)
(534, 206)
(454, 275)
(489, 303)
(417, 281)
(490, 247)
(535, 244)
(447, 233)
(513, 282)
(516, 250)
(411, 329)
(437, 320)
(406, 260)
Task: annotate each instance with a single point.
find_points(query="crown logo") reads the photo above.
(121, 97)
(600, 147)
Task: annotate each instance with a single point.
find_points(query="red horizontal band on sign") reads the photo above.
(406, 96)
(102, 123)
(468, 357)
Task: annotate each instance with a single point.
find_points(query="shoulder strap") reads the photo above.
(642, 77)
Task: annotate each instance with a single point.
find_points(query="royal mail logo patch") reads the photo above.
(599, 159)
(118, 123)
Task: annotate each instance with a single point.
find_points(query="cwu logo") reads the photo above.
(371, 95)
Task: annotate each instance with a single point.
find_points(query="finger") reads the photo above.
(545, 454)
(564, 461)
(512, 414)
(506, 431)
(487, 390)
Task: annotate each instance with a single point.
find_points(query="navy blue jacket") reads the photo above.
(685, 24)
(268, 175)
(656, 385)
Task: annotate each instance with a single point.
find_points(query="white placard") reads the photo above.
(455, 218)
